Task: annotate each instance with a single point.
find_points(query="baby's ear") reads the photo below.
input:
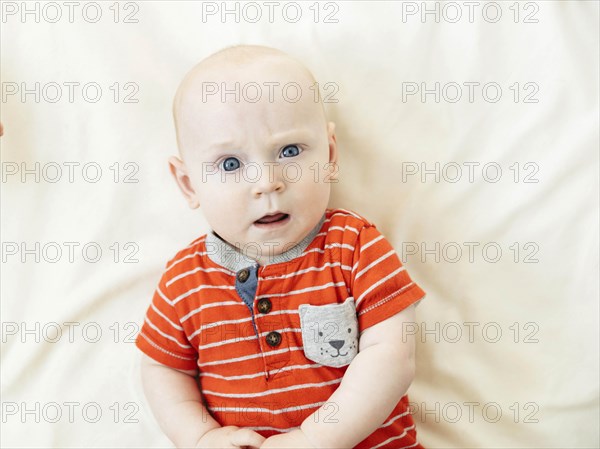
(333, 152)
(182, 178)
(331, 132)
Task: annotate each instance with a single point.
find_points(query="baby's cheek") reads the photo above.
(219, 193)
(311, 184)
(315, 172)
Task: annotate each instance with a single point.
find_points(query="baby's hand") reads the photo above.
(229, 437)
(290, 440)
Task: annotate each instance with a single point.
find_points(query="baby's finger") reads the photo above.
(246, 437)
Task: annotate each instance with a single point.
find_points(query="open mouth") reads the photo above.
(272, 219)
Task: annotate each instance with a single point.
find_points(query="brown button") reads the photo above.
(243, 275)
(274, 339)
(264, 305)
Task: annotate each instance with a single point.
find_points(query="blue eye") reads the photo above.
(231, 164)
(290, 151)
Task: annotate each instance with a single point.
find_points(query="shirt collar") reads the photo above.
(228, 256)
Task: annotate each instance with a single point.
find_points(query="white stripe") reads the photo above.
(355, 266)
(237, 339)
(197, 253)
(402, 435)
(280, 312)
(285, 329)
(179, 328)
(321, 268)
(348, 213)
(202, 287)
(228, 378)
(350, 228)
(207, 306)
(372, 264)
(273, 391)
(261, 373)
(340, 245)
(266, 410)
(165, 335)
(304, 290)
(195, 242)
(378, 283)
(227, 342)
(195, 270)
(160, 348)
(331, 245)
(162, 295)
(314, 250)
(220, 323)
(252, 356)
(370, 243)
(386, 299)
(391, 421)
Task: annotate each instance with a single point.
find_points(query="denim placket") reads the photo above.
(247, 290)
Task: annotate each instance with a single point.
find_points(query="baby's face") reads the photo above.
(247, 160)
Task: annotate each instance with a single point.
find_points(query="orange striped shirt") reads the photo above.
(270, 368)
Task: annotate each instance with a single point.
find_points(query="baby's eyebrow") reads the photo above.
(220, 146)
(296, 135)
(217, 150)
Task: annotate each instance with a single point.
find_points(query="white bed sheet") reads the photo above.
(544, 384)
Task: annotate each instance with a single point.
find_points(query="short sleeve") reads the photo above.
(162, 337)
(380, 284)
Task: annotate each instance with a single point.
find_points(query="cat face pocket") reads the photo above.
(330, 333)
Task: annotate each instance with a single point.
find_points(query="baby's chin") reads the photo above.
(265, 250)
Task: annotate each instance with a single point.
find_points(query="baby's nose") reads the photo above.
(337, 344)
(268, 180)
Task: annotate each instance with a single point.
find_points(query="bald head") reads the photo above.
(248, 74)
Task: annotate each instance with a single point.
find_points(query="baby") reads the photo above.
(283, 326)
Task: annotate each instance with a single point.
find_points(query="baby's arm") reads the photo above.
(176, 402)
(372, 386)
